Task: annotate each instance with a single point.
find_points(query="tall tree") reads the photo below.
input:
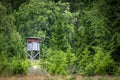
(10, 39)
(12, 5)
(53, 21)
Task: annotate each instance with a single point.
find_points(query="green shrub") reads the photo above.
(117, 72)
(100, 63)
(19, 66)
(89, 69)
(103, 63)
(85, 60)
(14, 66)
(4, 64)
(4, 67)
(58, 62)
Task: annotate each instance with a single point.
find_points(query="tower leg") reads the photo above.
(32, 55)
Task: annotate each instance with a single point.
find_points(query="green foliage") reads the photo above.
(89, 69)
(4, 64)
(19, 66)
(13, 5)
(46, 19)
(85, 60)
(58, 62)
(91, 29)
(100, 63)
(86, 65)
(103, 63)
(117, 72)
(10, 42)
(14, 66)
(84, 40)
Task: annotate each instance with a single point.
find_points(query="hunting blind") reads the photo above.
(33, 47)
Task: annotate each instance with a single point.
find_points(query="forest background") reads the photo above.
(81, 36)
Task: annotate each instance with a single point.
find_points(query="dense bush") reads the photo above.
(117, 72)
(58, 62)
(89, 69)
(103, 62)
(4, 66)
(18, 66)
(86, 58)
(14, 66)
(100, 63)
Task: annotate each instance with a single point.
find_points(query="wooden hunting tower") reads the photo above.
(33, 47)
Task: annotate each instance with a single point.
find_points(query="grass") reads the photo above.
(59, 77)
(46, 76)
